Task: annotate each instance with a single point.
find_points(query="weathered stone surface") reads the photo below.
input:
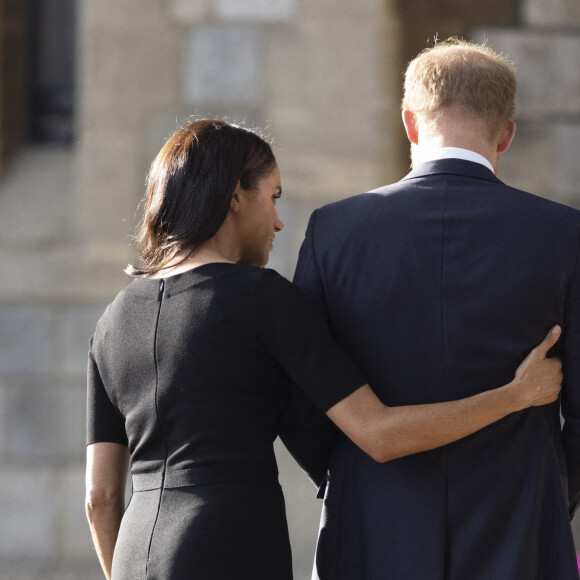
(564, 150)
(565, 56)
(190, 11)
(118, 92)
(27, 570)
(563, 13)
(93, 272)
(547, 70)
(161, 126)
(113, 180)
(45, 421)
(257, 10)
(331, 85)
(129, 14)
(26, 339)
(76, 326)
(528, 150)
(344, 8)
(3, 434)
(27, 218)
(29, 514)
(328, 107)
(75, 538)
(222, 64)
(542, 160)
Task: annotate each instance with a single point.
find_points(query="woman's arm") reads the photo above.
(386, 433)
(107, 465)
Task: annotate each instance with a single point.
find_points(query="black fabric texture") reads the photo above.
(197, 374)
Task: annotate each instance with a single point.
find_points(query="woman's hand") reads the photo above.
(538, 379)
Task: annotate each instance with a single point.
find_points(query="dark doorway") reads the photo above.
(52, 70)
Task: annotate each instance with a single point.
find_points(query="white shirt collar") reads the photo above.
(454, 153)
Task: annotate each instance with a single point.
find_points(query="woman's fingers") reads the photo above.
(549, 341)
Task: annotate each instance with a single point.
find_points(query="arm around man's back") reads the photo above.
(386, 433)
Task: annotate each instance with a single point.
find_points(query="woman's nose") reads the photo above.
(278, 224)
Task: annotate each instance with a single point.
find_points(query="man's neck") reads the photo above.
(455, 130)
(423, 155)
(428, 148)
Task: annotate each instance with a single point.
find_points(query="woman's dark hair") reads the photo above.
(190, 187)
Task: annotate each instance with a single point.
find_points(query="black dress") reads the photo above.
(194, 373)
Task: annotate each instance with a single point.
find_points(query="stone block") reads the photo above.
(326, 98)
(542, 160)
(93, 271)
(328, 107)
(190, 11)
(346, 9)
(76, 326)
(126, 14)
(256, 10)
(45, 422)
(563, 13)
(26, 339)
(29, 514)
(564, 148)
(223, 65)
(525, 164)
(113, 177)
(328, 178)
(546, 69)
(29, 215)
(76, 543)
(3, 434)
(27, 570)
(565, 58)
(161, 126)
(127, 73)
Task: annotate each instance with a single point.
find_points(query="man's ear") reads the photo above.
(506, 137)
(411, 126)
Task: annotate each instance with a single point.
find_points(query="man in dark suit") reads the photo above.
(437, 286)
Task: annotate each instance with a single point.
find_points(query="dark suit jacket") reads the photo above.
(437, 287)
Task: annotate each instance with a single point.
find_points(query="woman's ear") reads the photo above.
(236, 197)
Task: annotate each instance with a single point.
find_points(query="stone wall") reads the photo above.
(324, 78)
(543, 158)
(316, 74)
(43, 346)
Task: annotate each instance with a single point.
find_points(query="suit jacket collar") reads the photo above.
(454, 167)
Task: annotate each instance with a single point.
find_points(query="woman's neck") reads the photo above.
(207, 253)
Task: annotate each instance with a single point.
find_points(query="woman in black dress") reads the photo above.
(191, 373)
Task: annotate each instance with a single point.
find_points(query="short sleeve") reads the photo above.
(295, 335)
(104, 422)
(308, 435)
